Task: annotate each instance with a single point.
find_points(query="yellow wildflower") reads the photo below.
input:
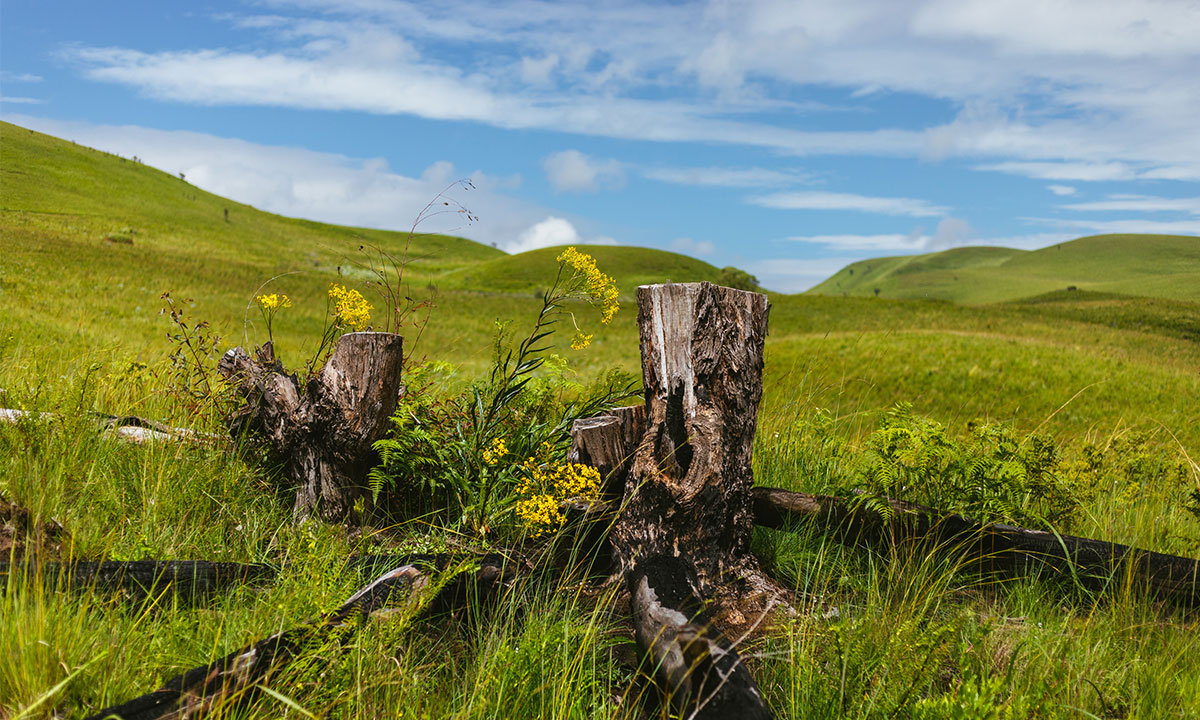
(548, 484)
(581, 340)
(274, 301)
(492, 455)
(350, 307)
(600, 288)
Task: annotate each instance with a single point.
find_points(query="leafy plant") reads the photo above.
(989, 472)
(453, 446)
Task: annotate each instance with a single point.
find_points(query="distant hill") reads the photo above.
(533, 271)
(1166, 266)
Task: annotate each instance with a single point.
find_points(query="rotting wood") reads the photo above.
(192, 579)
(324, 431)
(607, 442)
(238, 676)
(989, 547)
(682, 535)
(123, 427)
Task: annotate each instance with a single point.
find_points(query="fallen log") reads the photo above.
(324, 429)
(682, 535)
(123, 427)
(237, 677)
(989, 547)
(192, 579)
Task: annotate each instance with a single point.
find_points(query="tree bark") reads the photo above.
(682, 537)
(1005, 549)
(607, 442)
(323, 432)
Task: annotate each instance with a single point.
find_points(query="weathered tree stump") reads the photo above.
(323, 430)
(683, 533)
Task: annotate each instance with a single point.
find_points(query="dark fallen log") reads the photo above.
(322, 430)
(123, 427)
(191, 579)
(237, 677)
(1005, 549)
(141, 578)
(682, 535)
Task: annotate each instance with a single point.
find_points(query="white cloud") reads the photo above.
(318, 186)
(1097, 28)
(6, 76)
(688, 246)
(1139, 203)
(847, 201)
(1126, 226)
(951, 232)
(1118, 92)
(18, 100)
(537, 72)
(1061, 189)
(547, 233)
(725, 177)
(571, 170)
(1086, 172)
(913, 242)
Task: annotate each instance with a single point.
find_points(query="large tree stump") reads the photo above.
(324, 430)
(683, 533)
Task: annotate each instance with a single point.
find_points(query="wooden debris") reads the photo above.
(323, 430)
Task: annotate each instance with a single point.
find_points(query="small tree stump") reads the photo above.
(606, 442)
(683, 533)
(324, 430)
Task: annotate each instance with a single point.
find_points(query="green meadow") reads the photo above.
(968, 338)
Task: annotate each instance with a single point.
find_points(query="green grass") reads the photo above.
(1166, 266)
(912, 636)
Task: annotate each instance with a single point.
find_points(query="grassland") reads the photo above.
(88, 242)
(1162, 266)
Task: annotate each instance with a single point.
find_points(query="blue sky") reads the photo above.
(788, 138)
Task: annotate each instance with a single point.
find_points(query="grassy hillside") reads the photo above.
(629, 267)
(1166, 266)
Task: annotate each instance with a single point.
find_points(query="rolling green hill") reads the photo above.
(1166, 266)
(629, 266)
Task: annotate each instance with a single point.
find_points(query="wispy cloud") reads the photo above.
(1087, 172)
(572, 171)
(1062, 190)
(688, 246)
(847, 201)
(1110, 101)
(726, 177)
(1134, 226)
(7, 76)
(1139, 203)
(20, 100)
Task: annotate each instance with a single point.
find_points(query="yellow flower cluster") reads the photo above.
(274, 301)
(600, 288)
(581, 340)
(492, 455)
(547, 484)
(350, 307)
